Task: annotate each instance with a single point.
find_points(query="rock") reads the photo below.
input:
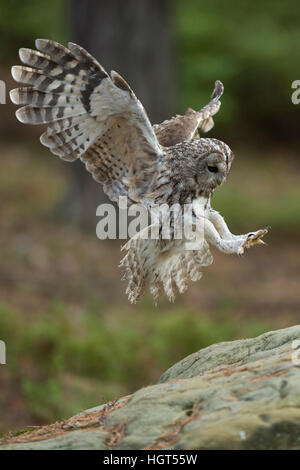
(234, 395)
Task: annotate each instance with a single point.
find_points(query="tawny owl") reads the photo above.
(97, 118)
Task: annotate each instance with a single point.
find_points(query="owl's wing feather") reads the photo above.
(90, 115)
(180, 128)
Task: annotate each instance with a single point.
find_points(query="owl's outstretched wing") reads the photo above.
(90, 115)
(185, 127)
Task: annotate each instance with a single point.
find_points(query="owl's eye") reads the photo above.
(212, 169)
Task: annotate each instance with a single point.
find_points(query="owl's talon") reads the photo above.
(255, 238)
(241, 251)
(261, 242)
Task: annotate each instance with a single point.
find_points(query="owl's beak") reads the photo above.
(220, 178)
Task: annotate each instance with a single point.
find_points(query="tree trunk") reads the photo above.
(132, 37)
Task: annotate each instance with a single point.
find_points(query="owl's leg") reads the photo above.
(220, 225)
(248, 239)
(233, 243)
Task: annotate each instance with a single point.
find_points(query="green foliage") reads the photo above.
(22, 22)
(269, 196)
(252, 48)
(42, 398)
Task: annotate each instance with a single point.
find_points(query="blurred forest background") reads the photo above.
(73, 340)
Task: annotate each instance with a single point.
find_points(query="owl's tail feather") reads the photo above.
(58, 78)
(164, 270)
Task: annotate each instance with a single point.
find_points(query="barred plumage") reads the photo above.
(95, 116)
(180, 128)
(168, 269)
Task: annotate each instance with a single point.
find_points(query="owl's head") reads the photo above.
(213, 160)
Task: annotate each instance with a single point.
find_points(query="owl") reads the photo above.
(95, 117)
